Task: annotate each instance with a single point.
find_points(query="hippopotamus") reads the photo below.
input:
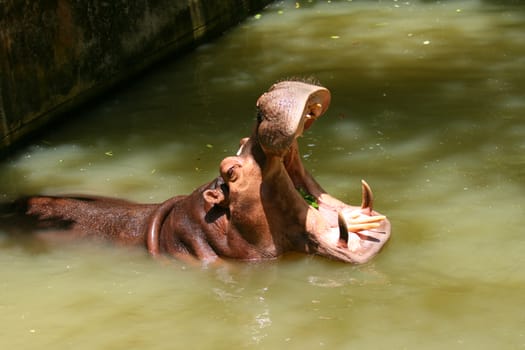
(263, 204)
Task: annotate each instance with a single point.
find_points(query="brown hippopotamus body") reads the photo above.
(254, 210)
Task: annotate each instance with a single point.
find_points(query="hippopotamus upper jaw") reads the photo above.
(285, 111)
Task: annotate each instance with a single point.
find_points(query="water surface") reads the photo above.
(428, 107)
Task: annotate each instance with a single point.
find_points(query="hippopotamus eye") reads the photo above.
(232, 176)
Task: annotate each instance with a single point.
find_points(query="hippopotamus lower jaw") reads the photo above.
(347, 233)
(338, 230)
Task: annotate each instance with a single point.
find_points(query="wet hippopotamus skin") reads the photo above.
(253, 211)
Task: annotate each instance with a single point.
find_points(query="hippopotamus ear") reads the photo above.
(214, 197)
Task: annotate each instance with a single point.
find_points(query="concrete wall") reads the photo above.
(56, 54)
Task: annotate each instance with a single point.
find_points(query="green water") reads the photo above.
(428, 106)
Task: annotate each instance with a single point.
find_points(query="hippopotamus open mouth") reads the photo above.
(298, 214)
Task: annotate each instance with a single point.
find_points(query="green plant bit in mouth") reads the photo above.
(311, 200)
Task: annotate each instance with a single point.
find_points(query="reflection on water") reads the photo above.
(427, 106)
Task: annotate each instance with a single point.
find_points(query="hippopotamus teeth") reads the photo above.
(344, 235)
(367, 197)
(343, 231)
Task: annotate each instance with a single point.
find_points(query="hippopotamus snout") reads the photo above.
(285, 111)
